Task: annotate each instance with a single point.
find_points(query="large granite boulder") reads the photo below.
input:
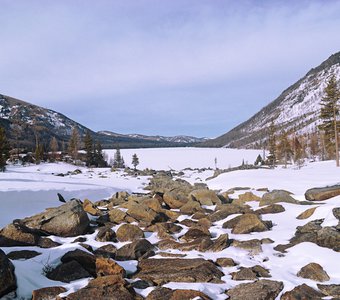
(323, 193)
(67, 220)
(162, 270)
(7, 276)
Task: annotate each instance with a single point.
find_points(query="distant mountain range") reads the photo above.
(24, 122)
(296, 110)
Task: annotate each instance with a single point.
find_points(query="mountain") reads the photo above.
(24, 122)
(296, 110)
(183, 139)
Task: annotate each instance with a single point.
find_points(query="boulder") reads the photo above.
(205, 197)
(85, 259)
(276, 196)
(195, 233)
(263, 289)
(323, 193)
(175, 198)
(90, 208)
(178, 270)
(336, 212)
(191, 207)
(108, 251)
(128, 232)
(254, 246)
(270, 209)
(199, 244)
(246, 197)
(246, 223)
(225, 210)
(332, 290)
(244, 274)
(67, 272)
(107, 287)
(142, 213)
(220, 243)
(169, 294)
(48, 293)
(225, 262)
(328, 237)
(314, 272)
(302, 292)
(307, 213)
(22, 254)
(135, 250)
(106, 234)
(67, 220)
(107, 266)
(7, 276)
(117, 216)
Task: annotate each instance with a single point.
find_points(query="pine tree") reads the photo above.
(88, 142)
(258, 161)
(39, 153)
(298, 152)
(272, 146)
(54, 147)
(135, 161)
(99, 160)
(328, 114)
(314, 147)
(4, 150)
(284, 149)
(118, 160)
(73, 146)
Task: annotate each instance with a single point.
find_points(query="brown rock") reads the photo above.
(307, 213)
(67, 220)
(246, 223)
(169, 294)
(128, 232)
(246, 197)
(106, 234)
(199, 244)
(22, 254)
(225, 262)
(178, 270)
(324, 193)
(135, 250)
(67, 272)
(205, 197)
(153, 203)
(48, 293)
(191, 207)
(142, 213)
(313, 271)
(86, 260)
(270, 209)
(7, 276)
(276, 196)
(332, 290)
(195, 233)
(253, 246)
(117, 216)
(302, 292)
(263, 289)
(107, 266)
(175, 198)
(108, 251)
(244, 274)
(90, 208)
(226, 210)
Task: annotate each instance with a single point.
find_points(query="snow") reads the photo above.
(187, 157)
(30, 189)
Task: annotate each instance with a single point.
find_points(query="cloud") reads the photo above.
(69, 55)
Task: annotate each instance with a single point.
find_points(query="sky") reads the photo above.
(168, 67)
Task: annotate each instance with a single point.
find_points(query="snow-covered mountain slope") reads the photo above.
(24, 121)
(184, 139)
(297, 109)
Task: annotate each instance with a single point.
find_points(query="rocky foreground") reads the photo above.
(138, 246)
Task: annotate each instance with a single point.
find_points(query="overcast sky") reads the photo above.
(195, 67)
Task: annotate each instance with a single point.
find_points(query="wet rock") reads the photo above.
(178, 270)
(128, 232)
(324, 193)
(48, 293)
(263, 289)
(135, 250)
(307, 213)
(246, 223)
(107, 287)
(169, 294)
(22, 254)
(7, 276)
(314, 272)
(205, 197)
(67, 220)
(302, 292)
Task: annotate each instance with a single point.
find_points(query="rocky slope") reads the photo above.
(180, 241)
(23, 121)
(296, 109)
